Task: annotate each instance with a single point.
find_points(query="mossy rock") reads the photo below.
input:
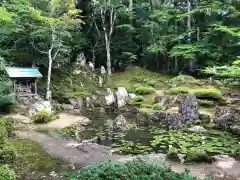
(181, 79)
(206, 103)
(144, 90)
(202, 93)
(157, 107)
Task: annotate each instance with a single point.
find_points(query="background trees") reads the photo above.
(163, 35)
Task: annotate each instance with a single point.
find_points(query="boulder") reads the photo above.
(76, 103)
(189, 109)
(235, 129)
(122, 96)
(227, 116)
(39, 105)
(197, 129)
(171, 120)
(84, 122)
(120, 123)
(110, 99)
(132, 95)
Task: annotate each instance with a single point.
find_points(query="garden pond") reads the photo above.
(146, 139)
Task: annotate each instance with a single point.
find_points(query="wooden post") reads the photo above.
(35, 86)
(14, 87)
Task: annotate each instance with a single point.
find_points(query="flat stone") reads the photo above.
(197, 129)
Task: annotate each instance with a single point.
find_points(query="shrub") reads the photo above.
(181, 79)
(144, 90)
(42, 117)
(8, 124)
(5, 99)
(157, 107)
(7, 154)
(136, 169)
(3, 136)
(6, 173)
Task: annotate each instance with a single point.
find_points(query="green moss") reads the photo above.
(207, 93)
(78, 94)
(179, 90)
(138, 99)
(157, 107)
(206, 103)
(146, 110)
(31, 156)
(138, 75)
(146, 106)
(203, 93)
(145, 90)
(181, 79)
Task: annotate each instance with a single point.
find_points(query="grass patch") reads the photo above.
(33, 158)
(144, 90)
(138, 75)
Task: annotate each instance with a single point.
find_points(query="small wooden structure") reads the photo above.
(24, 80)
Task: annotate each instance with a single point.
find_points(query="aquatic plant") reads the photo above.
(195, 146)
(129, 147)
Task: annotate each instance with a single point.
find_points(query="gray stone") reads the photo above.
(120, 123)
(76, 103)
(132, 95)
(122, 96)
(235, 129)
(84, 121)
(197, 129)
(110, 99)
(189, 109)
(39, 105)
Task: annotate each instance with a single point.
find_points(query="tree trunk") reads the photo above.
(109, 66)
(48, 93)
(189, 31)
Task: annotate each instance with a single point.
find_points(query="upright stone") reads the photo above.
(189, 109)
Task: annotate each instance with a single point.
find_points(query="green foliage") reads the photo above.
(7, 154)
(42, 117)
(68, 131)
(8, 124)
(6, 173)
(5, 99)
(136, 169)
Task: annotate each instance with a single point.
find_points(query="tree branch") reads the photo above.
(112, 21)
(36, 48)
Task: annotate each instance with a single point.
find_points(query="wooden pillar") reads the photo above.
(35, 86)
(14, 87)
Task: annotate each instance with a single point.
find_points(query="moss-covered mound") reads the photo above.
(202, 93)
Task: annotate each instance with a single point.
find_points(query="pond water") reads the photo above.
(142, 139)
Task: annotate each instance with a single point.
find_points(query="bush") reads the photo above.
(42, 117)
(7, 154)
(196, 155)
(181, 79)
(157, 107)
(3, 136)
(144, 90)
(8, 124)
(136, 169)
(5, 99)
(6, 173)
